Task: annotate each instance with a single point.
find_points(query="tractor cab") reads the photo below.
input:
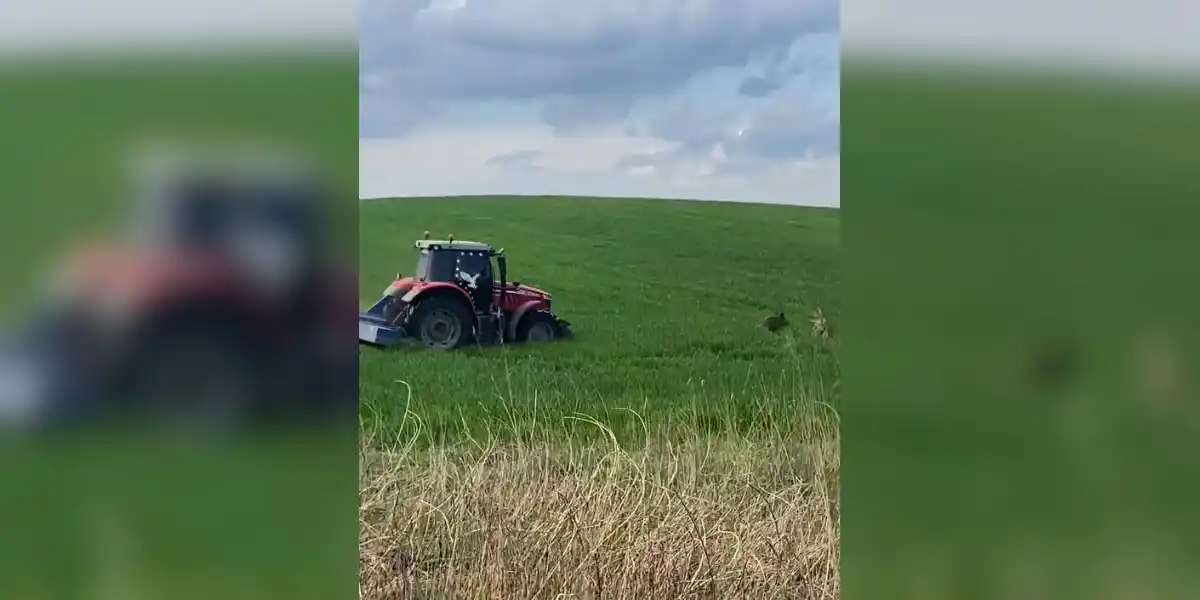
(267, 224)
(465, 264)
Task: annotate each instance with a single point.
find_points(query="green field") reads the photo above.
(664, 297)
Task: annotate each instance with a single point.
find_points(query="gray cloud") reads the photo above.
(814, 56)
(633, 161)
(519, 160)
(592, 58)
(758, 87)
(795, 111)
(789, 128)
(789, 125)
(688, 125)
(573, 114)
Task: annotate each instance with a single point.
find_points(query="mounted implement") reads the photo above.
(454, 299)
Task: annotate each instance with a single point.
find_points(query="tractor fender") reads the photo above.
(419, 292)
(517, 315)
(399, 288)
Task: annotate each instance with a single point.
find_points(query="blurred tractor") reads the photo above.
(223, 309)
(457, 297)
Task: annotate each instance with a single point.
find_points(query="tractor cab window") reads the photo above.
(206, 212)
(194, 216)
(422, 271)
(436, 266)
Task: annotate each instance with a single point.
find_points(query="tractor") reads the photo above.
(222, 309)
(454, 298)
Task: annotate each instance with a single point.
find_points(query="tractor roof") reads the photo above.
(453, 245)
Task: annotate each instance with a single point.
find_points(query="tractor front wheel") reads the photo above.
(538, 326)
(193, 370)
(440, 323)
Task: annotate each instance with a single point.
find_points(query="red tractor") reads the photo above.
(454, 298)
(225, 309)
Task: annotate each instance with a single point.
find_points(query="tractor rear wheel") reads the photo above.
(440, 323)
(538, 326)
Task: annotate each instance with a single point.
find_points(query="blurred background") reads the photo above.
(177, 369)
(1021, 415)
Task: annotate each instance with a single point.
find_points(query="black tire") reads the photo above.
(195, 372)
(538, 326)
(441, 323)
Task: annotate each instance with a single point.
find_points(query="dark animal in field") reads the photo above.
(774, 323)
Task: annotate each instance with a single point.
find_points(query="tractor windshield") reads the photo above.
(435, 266)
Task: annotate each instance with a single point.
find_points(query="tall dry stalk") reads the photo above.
(707, 518)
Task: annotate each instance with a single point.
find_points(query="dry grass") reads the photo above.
(706, 518)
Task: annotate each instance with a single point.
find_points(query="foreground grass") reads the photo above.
(709, 517)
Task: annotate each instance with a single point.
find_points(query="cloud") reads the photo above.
(687, 98)
(582, 59)
(574, 114)
(795, 112)
(518, 160)
(757, 86)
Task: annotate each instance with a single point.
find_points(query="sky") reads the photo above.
(709, 99)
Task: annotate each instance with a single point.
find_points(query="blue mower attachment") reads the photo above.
(39, 382)
(374, 329)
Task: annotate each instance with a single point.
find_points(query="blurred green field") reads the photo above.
(93, 516)
(996, 215)
(664, 297)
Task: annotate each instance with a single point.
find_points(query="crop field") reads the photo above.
(671, 447)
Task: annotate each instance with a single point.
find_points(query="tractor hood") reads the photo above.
(527, 290)
(401, 286)
(126, 271)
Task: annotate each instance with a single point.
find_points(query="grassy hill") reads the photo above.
(664, 297)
